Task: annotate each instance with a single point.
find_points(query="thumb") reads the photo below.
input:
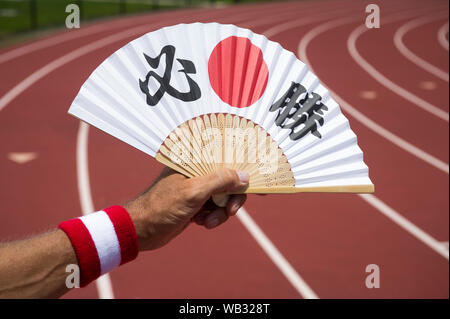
(222, 181)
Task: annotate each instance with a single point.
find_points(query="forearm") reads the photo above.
(99, 242)
(36, 267)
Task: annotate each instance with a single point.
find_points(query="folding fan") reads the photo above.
(199, 97)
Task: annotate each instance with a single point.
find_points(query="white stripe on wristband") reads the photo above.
(105, 240)
(102, 241)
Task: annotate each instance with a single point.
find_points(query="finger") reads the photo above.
(200, 217)
(222, 181)
(235, 202)
(209, 205)
(216, 218)
(220, 200)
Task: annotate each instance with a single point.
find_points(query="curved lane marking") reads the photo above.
(383, 80)
(379, 205)
(442, 39)
(58, 39)
(414, 58)
(103, 283)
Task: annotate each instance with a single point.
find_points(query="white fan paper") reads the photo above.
(198, 97)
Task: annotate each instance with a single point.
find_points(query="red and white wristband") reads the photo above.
(102, 241)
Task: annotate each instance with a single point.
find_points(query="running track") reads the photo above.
(391, 82)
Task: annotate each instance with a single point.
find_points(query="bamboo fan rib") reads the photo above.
(204, 144)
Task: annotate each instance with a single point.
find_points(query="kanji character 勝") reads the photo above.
(307, 111)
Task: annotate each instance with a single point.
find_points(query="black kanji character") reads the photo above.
(307, 111)
(164, 81)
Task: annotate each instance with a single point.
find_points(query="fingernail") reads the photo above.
(212, 222)
(243, 177)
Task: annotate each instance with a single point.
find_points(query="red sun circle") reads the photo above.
(237, 71)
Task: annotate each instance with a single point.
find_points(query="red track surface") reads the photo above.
(328, 239)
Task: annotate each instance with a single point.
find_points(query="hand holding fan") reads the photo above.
(199, 97)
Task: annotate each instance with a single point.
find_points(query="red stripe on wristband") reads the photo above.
(102, 241)
(84, 247)
(123, 225)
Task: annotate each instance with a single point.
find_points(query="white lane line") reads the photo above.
(58, 39)
(275, 255)
(445, 244)
(22, 157)
(372, 125)
(369, 198)
(275, 17)
(441, 36)
(406, 225)
(400, 45)
(55, 64)
(391, 137)
(383, 80)
(104, 285)
(305, 20)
